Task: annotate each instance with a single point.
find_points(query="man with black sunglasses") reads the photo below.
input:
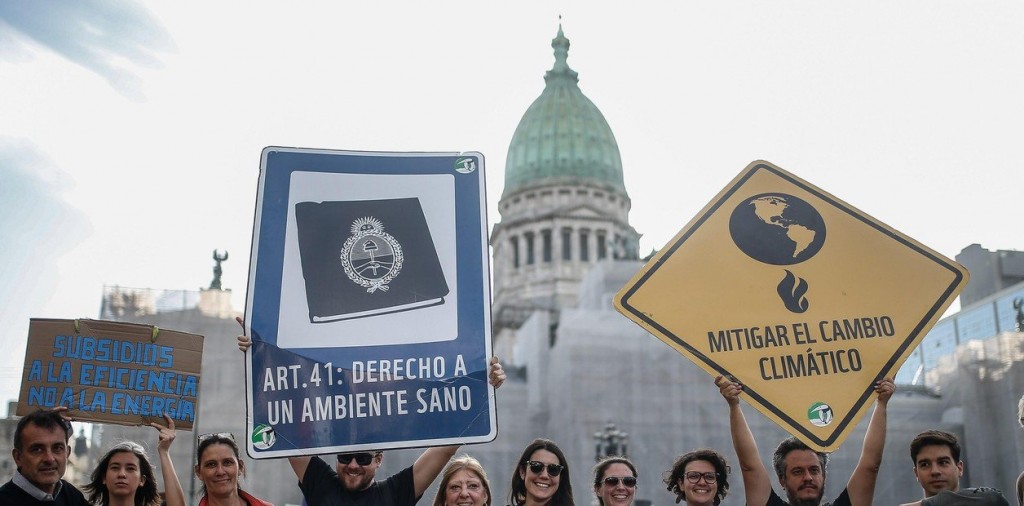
(801, 471)
(351, 482)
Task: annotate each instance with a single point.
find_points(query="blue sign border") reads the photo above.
(352, 415)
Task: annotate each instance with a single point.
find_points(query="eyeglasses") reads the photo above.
(627, 481)
(215, 435)
(363, 459)
(694, 477)
(538, 467)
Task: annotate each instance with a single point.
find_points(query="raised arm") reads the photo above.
(432, 461)
(299, 465)
(429, 465)
(861, 486)
(173, 494)
(757, 484)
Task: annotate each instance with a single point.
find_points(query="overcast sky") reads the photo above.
(130, 132)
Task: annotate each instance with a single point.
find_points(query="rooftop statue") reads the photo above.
(215, 284)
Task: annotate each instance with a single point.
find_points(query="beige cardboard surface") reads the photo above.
(112, 372)
(799, 296)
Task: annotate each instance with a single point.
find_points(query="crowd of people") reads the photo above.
(125, 476)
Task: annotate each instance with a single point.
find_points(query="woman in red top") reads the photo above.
(219, 467)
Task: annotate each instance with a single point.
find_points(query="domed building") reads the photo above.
(564, 206)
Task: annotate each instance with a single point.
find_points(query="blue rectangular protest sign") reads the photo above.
(368, 303)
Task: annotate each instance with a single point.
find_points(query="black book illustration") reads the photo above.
(367, 257)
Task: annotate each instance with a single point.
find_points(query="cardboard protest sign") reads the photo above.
(802, 298)
(368, 303)
(112, 372)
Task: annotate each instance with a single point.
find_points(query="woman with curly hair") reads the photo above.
(615, 481)
(541, 477)
(700, 477)
(124, 476)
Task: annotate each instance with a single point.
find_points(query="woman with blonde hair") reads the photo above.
(463, 481)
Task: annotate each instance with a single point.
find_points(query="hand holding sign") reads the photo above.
(165, 434)
(885, 388)
(496, 375)
(729, 389)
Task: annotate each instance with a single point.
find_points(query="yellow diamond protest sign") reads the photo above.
(802, 298)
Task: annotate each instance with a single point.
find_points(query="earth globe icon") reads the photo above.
(777, 229)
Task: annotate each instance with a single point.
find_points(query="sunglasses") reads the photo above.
(627, 481)
(214, 435)
(363, 459)
(694, 477)
(537, 467)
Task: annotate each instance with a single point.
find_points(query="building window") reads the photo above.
(514, 240)
(566, 244)
(529, 248)
(546, 245)
(584, 246)
(602, 246)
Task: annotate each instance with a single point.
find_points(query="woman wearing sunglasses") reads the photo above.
(615, 481)
(463, 481)
(124, 476)
(218, 467)
(541, 477)
(700, 477)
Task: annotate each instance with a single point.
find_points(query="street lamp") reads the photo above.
(611, 442)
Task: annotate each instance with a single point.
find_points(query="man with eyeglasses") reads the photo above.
(41, 453)
(352, 483)
(801, 470)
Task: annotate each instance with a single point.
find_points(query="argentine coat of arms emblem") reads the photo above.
(370, 256)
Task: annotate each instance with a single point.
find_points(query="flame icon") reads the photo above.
(791, 291)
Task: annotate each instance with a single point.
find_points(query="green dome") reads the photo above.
(563, 137)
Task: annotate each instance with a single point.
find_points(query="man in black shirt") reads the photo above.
(352, 482)
(801, 471)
